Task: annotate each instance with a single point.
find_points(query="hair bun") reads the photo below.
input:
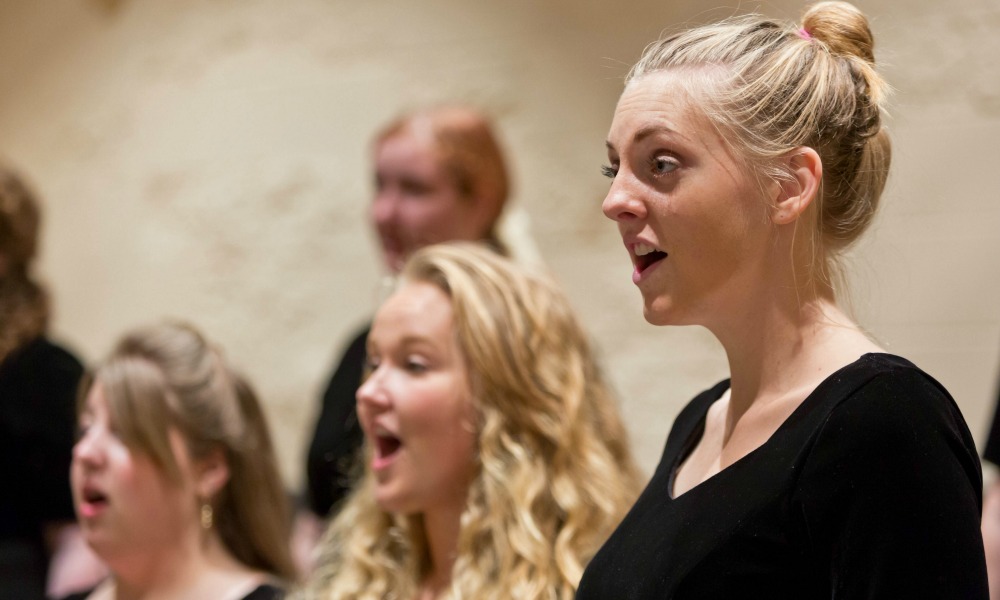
(842, 27)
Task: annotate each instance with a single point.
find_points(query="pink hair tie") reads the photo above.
(805, 34)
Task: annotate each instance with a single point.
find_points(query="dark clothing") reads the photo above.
(38, 387)
(338, 436)
(870, 489)
(992, 451)
(265, 592)
(262, 592)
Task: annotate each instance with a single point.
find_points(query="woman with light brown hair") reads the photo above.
(174, 476)
(496, 462)
(745, 156)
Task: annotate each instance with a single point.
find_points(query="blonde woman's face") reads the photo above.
(415, 406)
(692, 223)
(416, 202)
(127, 507)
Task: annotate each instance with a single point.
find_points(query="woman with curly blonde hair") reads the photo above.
(497, 462)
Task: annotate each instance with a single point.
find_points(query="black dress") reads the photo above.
(870, 489)
(38, 387)
(338, 436)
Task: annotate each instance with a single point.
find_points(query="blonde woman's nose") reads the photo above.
(372, 394)
(622, 203)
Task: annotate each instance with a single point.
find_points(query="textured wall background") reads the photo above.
(208, 159)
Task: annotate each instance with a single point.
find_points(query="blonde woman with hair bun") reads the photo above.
(174, 477)
(745, 156)
(496, 462)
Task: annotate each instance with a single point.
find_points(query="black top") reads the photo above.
(265, 592)
(870, 489)
(338, 436)
(262, 592)
(992, 451)
(38, 387)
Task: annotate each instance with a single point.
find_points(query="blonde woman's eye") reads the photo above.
(416, 366)
(662, 165)
(369, 367)
(609, 171)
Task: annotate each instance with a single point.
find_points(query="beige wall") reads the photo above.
(207, 159)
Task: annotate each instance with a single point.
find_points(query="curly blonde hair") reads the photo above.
(555, 473)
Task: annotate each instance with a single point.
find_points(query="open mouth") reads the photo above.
(93, 502)
(647, 256)
(94, 497)
(391, 244)
(386, 445)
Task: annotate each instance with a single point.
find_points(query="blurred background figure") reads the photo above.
(439, 175)
(38, 384)
(174, 478)
(496, 461)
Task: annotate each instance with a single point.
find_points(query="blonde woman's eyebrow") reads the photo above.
(645, 132)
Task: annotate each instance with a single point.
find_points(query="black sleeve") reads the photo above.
(992, 450)
(48, 463)
(265, 592)
(338, 437)
(891, 494)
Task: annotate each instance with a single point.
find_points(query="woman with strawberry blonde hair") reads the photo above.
(440, 175)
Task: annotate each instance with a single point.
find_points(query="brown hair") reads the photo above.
(24, 308)
(169, 376)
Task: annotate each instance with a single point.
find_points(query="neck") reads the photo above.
(172, 570)
(782, 341)
(442, 527)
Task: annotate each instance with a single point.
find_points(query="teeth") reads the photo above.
(643, 249)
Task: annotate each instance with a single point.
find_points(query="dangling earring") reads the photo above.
(206, 516)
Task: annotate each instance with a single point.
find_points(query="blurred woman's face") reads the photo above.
(417, 202)
(692, 221)
(415, 406)
(125, 504)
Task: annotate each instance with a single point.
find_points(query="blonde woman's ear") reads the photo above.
(795, 194)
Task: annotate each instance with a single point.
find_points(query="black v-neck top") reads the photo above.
(871, 488)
